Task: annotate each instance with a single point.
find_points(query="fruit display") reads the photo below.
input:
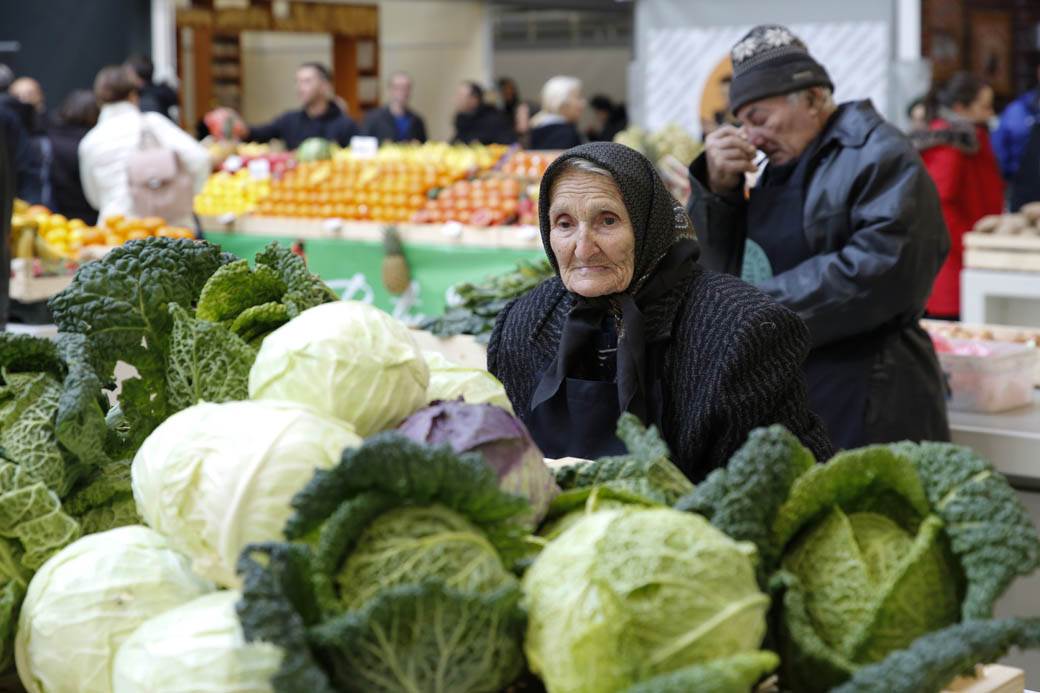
(480, 202)
(1025, 222)
(389, 187)
(529, 165)
(234, 193)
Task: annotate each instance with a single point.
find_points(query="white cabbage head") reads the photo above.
(345, 359)
(450, 381)
(88, 598)
(216, 477)
(197, 647)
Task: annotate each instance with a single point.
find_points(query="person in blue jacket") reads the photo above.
(1016, 143)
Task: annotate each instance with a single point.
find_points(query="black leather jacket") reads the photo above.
(873, 222)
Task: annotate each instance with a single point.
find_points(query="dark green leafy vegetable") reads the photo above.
(736, 674)
(646, 470)
(989, 530)
(256, 322)
(120, 303)
(934, 660)
(743, 497)
(33, 526)
(305, 290)
(479, 304)
(234, 287)
(427, 637)
(207, 363)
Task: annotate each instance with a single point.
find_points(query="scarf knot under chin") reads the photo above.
(585, 321)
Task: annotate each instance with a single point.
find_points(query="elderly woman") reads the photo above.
(556, 125)
(632, 323)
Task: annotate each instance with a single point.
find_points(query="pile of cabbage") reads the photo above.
(370, 518)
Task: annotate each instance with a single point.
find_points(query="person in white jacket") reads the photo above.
(105, 150)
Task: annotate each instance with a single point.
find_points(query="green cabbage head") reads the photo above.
(197, 647)
(216, 477)
(87, 600)
(450, 381)
(866, 567)
(625, 595)
(348, 360)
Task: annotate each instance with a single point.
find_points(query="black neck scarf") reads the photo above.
(585, 320)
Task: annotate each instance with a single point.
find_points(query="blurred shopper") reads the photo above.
(15, 118)
(78, 114)
(610, 118)
(30, 94)
(917, 113)
(508, 97)
(1017, 146)
(843, 227)
(957, 152)
(395, 122)
(476, 121)
(556, 125)
(320, 115)
(109, 153)
(154, 98)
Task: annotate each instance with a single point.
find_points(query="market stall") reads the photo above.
(1001, 280)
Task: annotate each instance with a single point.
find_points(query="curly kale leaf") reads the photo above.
(120, 303)
(105, 499)
(80, 423)
(305, 289)
(742, 498)
(33, 527)
(21, 353)
(234, 288)
(426, 637)
(28, 407)
(255, 323)
(735, 674)
(207, 363)
(278, 606)
(990, 531)
(646, 470)
(933, 660)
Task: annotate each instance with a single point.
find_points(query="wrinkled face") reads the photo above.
(980, 110)
(310, 86)
(465, 101)
(400, 89)
(780, 126)
(591, 234)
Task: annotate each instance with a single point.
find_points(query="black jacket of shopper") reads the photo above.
(486, 125)
(381, 123)
(555, 136)
(293, 127)
(13, 117)
(66, 187)
(874, 230)
(158, 98)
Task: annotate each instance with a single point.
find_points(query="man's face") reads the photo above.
(310, 86)
(465, 102)
(780, 126)
(400, 89)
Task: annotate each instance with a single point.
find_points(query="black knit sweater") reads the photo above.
(732, 363)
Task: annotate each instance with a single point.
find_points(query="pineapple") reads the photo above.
(396, 275)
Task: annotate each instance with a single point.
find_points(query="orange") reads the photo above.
(137, 235)
(151, 224)
(167, 232)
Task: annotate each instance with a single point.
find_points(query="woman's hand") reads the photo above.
(676, 178)
(730, 156)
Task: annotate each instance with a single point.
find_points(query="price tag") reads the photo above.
(332, 225)
(452, 229)
(364, 147)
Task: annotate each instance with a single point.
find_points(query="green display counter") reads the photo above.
(359, 265)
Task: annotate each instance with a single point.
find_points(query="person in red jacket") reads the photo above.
(957, 152)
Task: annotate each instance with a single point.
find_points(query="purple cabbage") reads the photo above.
(503, 440)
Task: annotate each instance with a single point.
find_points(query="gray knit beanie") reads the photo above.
(770, 61)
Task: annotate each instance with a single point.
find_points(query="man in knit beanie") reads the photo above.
(843, 226)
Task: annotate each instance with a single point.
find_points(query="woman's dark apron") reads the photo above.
(837, 375)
